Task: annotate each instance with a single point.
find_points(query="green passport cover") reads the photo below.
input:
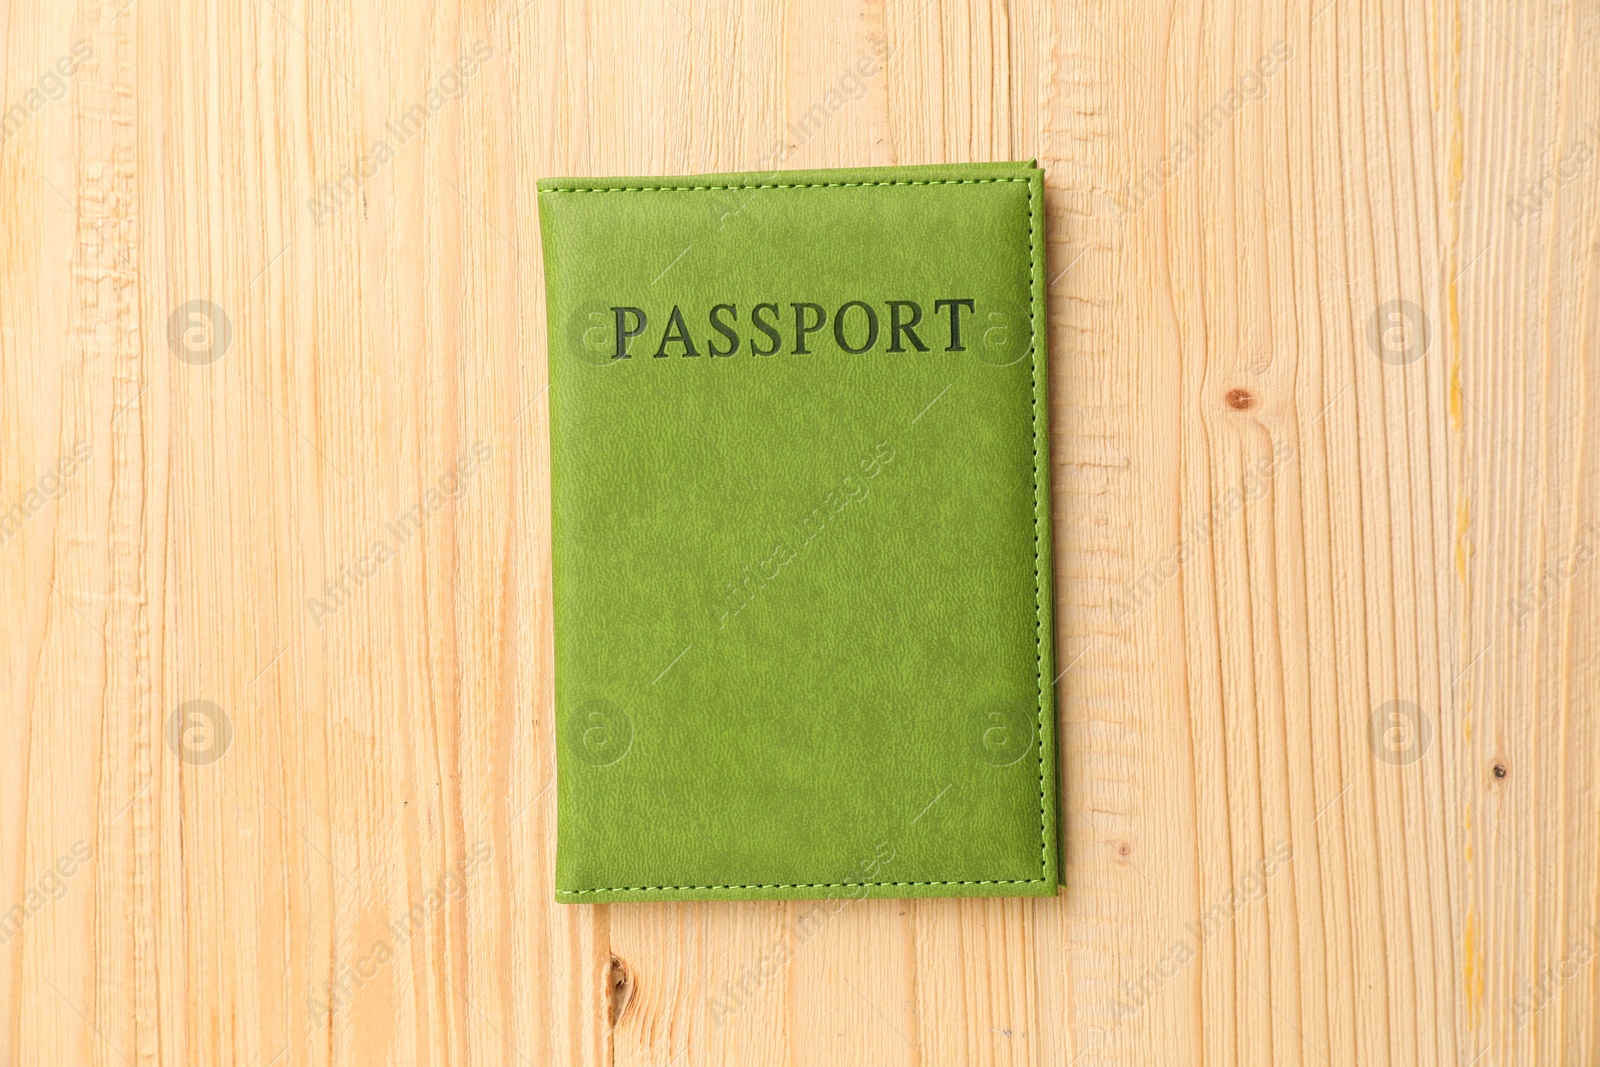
(801, 535)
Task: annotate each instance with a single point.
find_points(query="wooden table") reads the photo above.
(276, 755)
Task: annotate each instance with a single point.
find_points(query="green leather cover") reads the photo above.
(801, 535)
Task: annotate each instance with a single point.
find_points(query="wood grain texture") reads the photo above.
(1325, 332)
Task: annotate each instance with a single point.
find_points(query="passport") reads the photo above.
(801, 546)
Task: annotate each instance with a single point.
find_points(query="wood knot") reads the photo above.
(618, 990)
(1124, 849)
(1499, 770)
(1240, 399)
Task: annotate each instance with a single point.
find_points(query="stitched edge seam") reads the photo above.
(1038, 604)
(1038, 590)
(800, 885)
(793, 185)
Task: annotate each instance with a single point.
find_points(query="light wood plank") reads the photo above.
(1271, 521)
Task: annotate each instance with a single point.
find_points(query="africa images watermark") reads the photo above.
(1252, 85)
(739, 991)
(398, 131)
(1198, 532)
(45, 90)
(1138, 991)
(1534, 196)
(50, 887)
(50, 486)
(853, 488)
(341, 589)
(846, 89)
(349, 979)
(1535, 595)
(1535, 995)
